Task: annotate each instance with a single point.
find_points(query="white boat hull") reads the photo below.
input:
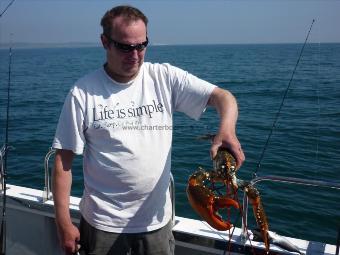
(31, 231)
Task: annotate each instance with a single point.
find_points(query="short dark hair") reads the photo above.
(127, 11)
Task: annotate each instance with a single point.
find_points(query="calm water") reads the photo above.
(304, 144)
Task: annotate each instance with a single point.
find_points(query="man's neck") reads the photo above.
(117, 77)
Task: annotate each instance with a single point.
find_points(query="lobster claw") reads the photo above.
(207, 204)
(217, 221)
(259, 213)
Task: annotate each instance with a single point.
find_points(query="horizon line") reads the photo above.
(98, 44)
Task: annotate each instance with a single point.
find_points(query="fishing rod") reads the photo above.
(4, 11)
(282, 102)
(4, 153)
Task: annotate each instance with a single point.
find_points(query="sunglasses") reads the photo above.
(128, 47)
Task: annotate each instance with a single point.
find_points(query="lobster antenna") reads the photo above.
(283, 99)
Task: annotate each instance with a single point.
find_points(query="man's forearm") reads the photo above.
(226, 106)
(62, 181)
(61, 186)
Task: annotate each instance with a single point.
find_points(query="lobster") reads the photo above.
(207, 202)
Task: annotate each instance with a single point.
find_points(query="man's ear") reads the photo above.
(105, 42)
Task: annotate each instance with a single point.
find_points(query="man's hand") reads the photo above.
(69, 237)
(231, 143)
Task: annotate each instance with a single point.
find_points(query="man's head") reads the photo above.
(125, 39)
(128, 12)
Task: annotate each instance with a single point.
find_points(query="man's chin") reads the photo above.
(131, 72)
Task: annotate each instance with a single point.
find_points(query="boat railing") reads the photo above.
(283, 179)
(2, 156)
(47, 193)
(172, 194)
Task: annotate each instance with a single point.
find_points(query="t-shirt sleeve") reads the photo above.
(70, 130)
(190, 94)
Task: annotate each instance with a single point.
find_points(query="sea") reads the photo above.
(300, 111)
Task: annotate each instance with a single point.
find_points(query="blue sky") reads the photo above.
(176, 22)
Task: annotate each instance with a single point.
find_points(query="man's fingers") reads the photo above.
(239, 157)
(214, 148)
(236, 151)
(77, 250)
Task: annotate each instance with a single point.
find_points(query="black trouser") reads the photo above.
(98, 242)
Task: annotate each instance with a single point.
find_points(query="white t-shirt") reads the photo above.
(125, 133)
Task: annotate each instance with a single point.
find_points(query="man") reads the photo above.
(120, 117)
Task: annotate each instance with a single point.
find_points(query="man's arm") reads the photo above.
(61, 188)
(226, 106)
